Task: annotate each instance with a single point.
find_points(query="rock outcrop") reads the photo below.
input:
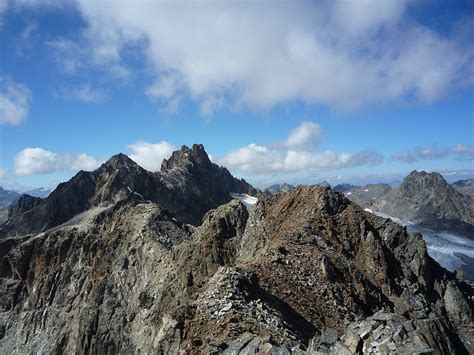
(304, 271)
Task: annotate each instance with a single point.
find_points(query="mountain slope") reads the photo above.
(429, 201)
(188, 185)
(294, 273)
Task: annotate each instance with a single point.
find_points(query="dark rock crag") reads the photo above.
(188, 178)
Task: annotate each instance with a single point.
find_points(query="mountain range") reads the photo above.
(187, 178)
(122, 260)
(278, 189)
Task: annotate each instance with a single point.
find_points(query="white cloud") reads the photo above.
(165, 87)
(433, 151)
(260, 160)
(307, 134)
(150, 155)
(84, 93)
(36, 161)
(14, 101)
(344, 54)
(90, 55)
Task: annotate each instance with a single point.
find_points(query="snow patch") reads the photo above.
(247, 200)
(348, 193)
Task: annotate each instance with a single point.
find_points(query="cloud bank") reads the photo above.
(297, 153)
(341, 54)
(459, 151)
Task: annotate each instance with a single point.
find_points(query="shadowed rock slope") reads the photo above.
(187, 178)
(305, 270)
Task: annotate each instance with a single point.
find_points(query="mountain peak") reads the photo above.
(185, 157)
(420, 180)
(119, 160)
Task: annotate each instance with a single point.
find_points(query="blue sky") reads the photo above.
(344, 91)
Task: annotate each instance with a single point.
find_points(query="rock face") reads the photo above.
(193, 180)
(465, 187)
(429, 201)
(307, 270)
(188, 178)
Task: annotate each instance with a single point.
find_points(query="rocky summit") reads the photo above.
(428, 200)
(119, 269)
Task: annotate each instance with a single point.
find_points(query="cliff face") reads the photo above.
(306, 270)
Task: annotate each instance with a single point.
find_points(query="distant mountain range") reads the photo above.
(466, 187)
(39, 192)
(278, 189)
(7, 197)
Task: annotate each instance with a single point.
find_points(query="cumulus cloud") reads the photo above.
(14, 101)
(295, 154)
(150, 155)
(36, 161)
(344, 54)
(306, 134)
(433, 151)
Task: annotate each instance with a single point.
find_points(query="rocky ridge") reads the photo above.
(304, 271)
